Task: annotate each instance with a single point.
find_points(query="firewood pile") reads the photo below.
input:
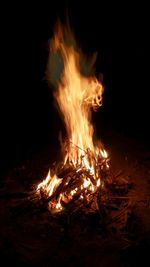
(113, 218)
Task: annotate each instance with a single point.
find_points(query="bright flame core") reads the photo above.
(76, 95)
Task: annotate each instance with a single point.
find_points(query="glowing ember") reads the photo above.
(76, 96)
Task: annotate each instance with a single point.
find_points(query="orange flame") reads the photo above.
(76, 95)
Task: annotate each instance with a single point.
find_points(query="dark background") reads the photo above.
(118, 32)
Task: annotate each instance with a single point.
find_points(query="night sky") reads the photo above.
(119, 33)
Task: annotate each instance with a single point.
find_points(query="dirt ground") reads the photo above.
(32, 237)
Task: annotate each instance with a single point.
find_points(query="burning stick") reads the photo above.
(77, 183)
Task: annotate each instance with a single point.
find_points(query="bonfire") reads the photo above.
(85, 165)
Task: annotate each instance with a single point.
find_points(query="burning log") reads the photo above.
(76, 185)
(66, 171)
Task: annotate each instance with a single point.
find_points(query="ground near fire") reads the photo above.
(82, 197)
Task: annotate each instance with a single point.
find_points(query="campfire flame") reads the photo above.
(76, 96)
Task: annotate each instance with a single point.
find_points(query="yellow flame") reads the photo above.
(104, 154)
(98, 182)
(58, 205)
(76, 95)
(49, 184)
(86, 183)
